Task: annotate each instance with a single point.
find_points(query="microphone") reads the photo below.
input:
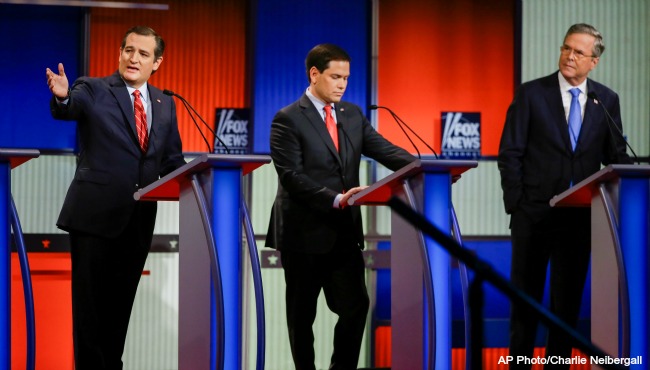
(401, 122)
(611, 123)
(191, 109)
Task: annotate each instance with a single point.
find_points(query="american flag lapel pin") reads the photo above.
(158, 100)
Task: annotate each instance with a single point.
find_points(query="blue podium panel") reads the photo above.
(634, 204)
(5, 266)
(9, 158)
(619, 197)
(420, 269)
(226, 224)
(436, 207)
(209, 191)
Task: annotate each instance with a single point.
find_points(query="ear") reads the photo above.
(157, 63)
(313, 74)
(594, 63)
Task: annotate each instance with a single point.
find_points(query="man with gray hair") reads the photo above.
(554, 137)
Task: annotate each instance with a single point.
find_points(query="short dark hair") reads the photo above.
(321, 55)
(147, 31)
(599, 46)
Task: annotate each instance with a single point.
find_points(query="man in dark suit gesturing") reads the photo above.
(553, 138)
(128, 138)
(316, 146)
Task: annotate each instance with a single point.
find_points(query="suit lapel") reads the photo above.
(553, 98)
(592, 111)
(318, 124)
(155, 102)
(118, 89)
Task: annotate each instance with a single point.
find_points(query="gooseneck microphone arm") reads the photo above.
(401, 122)
(191, 109)
(207, 143)
(610, 123)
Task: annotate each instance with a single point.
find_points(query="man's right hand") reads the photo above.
(58, 83)
(344, 200)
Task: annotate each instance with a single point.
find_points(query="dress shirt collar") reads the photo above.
(320, 105)
(144, 92)
(565, 86)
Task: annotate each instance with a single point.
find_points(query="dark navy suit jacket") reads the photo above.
(535, 158)
(111, 166)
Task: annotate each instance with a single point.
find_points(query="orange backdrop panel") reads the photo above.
(52, 310)
(442, 55)
(204, 60)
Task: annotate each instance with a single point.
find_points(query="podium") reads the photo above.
(421, 322)
(619, 197)
(9, 158)
(209, 191)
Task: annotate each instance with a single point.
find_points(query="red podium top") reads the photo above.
(580, 194)
(17, 157)
(380, 192)
(168, 187)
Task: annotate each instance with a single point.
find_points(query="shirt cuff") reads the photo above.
(337, 201)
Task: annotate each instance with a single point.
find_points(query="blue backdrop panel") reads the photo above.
(36, 37)
(284, 32)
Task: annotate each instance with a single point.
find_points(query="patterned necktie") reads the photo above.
(140, 121)
(331, 125)
(575, 117)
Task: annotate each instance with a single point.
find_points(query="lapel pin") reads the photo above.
(158, 100)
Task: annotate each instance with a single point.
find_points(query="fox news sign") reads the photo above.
(461, 135)
(233, 128)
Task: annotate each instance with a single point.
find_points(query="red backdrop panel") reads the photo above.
(442, 55)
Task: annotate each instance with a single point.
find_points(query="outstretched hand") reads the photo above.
(58, 83)
(344, 200)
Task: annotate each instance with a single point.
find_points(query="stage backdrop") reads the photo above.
(36, 37)
(436, 56)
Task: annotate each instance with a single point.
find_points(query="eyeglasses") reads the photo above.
(566, 50)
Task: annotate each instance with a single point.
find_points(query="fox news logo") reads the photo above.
(461, 135)
(232, 129)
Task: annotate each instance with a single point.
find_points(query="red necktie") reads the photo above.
(331, 126)
(140, 121)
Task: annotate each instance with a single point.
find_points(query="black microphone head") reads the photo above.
(592, 95)
(168, 92)
(373, 107)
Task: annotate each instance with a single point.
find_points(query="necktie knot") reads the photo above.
(575, 92)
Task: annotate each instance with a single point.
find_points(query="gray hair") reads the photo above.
(599, 46)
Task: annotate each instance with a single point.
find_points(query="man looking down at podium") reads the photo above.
(554, 137)
(316, 147)
(128, 138)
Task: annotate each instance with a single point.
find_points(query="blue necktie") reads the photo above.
(575, 117)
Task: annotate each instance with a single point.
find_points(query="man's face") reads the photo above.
(330, 85)
(137, 60)
(576, 59)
